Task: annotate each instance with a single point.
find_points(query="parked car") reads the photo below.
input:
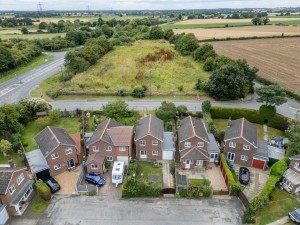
(244, 175)
(295, 216)
(52, 184)
(94, 179)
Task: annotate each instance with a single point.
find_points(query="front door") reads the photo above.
(143, 154)
(199, 163)
(71, 163)
(187, 164)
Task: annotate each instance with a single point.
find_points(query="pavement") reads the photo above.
(109, 189)
(85, 210)
(167, 176)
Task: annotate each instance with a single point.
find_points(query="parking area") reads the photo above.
(110, 189)
(67, 181)
(258, 179)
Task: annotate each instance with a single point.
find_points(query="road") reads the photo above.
(86, 210)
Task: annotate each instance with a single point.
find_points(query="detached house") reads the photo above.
(113, 140)
(59, 149)
(197, 147)
(291, 177)
(242, 147)
(16, 189)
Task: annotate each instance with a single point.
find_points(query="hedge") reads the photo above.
(279, 122)
(279, 167)
(234, 187)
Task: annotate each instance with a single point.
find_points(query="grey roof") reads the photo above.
(101, 132)
(275, 153)
(193, 153)
(168, 143)
(262, 150)
(181, 180)
(36, 161)
(242, 128)
(52, 137)
(150, 125)
(21, 193)
(190, 127)
(6, 174)
(296, 157)
(292, 176)
(213, 146)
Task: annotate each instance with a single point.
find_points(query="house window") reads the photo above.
(94, 166)
(244, 157)
(27, 193)
(20, 179)
(142, 143)
(57, 166)
(287, 182)
(246, 147)
(155, 142)
(187, 144)
(297, 166)
(54, 156)
(108, 148)
(199, 162)
(230, 156)
(109, 158)
(200, 144)
(154, 152)
(68, 151)
(122, 148)
(95, 149)
(232, 144)
(12, 189)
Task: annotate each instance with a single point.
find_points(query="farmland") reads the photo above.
(31, 36)
(277, 59)
(237, 32)
(126, 67)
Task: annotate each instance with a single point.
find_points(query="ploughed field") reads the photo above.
(277, 59)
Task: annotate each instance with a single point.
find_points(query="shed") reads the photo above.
(275, 154)
(181, 182)
(38, 164)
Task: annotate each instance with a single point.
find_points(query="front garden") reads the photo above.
(197, 188)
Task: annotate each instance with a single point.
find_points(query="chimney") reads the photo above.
(229, 122)
(11, 163)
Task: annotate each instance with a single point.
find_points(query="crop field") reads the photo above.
(237, 32)
(277, 59)
(31, 36)
(152, 63)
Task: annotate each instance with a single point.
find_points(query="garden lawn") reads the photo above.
(72, 126)
(3, 160)
(39, 205)
(280, 205)
(147, 169)
(197, 182)
(221, 124)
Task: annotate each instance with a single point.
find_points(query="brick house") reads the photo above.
(149, 138)
(242, 147)
(113, 140)
(291, 177)
(197, 147)
(95, 163)
(59, 149)
(16, 189)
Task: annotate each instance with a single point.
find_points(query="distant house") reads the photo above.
(242, 146)
(291, 177)
(113, 140)
(95, 163)
(197, 147)
(16, 189)
(149, 138)
(59, 149)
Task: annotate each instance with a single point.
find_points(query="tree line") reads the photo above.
(14, 22)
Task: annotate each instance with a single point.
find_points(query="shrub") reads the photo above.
(267, 112)
(121, 92)
(207, 191)
(43, 190)
(138, 92)
(183, 193)
(55, 115)
(180, 88)
(172, 168)
(92, 193)
(279, 168)
(206, 106)
(247, 217)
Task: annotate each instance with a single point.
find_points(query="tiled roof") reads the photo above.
(121, 136)
(262, 150)
(77, 139)
(6, 174)
(190, 127)
(52, 137)
(296, 157)
(150, 125)
(194, 153)
(95, 158)
(242, 128)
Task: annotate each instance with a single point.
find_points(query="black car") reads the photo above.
(295, 216)
(244, 175)
(52, 184)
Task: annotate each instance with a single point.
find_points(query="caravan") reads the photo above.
(118, 172)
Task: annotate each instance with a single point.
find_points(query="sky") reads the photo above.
(31, 5)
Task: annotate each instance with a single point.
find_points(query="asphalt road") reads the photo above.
(86, 210)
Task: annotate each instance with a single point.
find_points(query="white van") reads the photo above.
(118, 172)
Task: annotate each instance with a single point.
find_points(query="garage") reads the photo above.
(168, 155)
(3, 214)
(258, 163)
(38, 164)
(123, 159)
(168, 146)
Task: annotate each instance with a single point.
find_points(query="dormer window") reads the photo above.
(246, 147)
(297, 166)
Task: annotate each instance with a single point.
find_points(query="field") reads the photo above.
(277, 59)
(31, 36)
(246, 31)
(152, 63)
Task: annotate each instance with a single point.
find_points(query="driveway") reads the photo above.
(67, 181)
(86, 210)
(110, 189)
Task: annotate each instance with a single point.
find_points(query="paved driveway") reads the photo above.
(86, 210)
(67, 181)
(110, 189)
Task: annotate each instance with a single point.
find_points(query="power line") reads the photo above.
(40, 7)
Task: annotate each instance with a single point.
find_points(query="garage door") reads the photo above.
(3, 215)
(43, 175)
(168, 155)
(123, 159)
(259, 164)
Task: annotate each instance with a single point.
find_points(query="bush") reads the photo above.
(183, 193)
(43, 190)
(206, 106)
(92, 193)
(138, 92)
(172, 168)
(207, 191)
(247, 217)
(55, 115)
(267, 112)
(279, 168)
(121, 92)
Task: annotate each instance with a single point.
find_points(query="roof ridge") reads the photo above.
(188, 151)
(149, 127)
(53, 134)
(242, 127)
(203, 122)
(108, 121)
(202, 153)
(193, 126)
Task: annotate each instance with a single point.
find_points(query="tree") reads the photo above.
(24, 30)
(198, 85)
(206, 106)
(182, 110)
(166, 112)
(107, 31)
(168, 34)
(156, 32)
(55, 115)
(43, 26)
(34, 105)
(271, 95)
(43, 190)
(203, 52)
(116, 109)
(187, 44)
(6, 59)
(265, 20)
(5, 147)
(256, 21)
(74, 63)
(293, 132)
(138, 92)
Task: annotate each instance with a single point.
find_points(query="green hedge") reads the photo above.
(279, 122)
(234, 187)
(279, 167)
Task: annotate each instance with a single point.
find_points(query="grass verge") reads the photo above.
(39, 205)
